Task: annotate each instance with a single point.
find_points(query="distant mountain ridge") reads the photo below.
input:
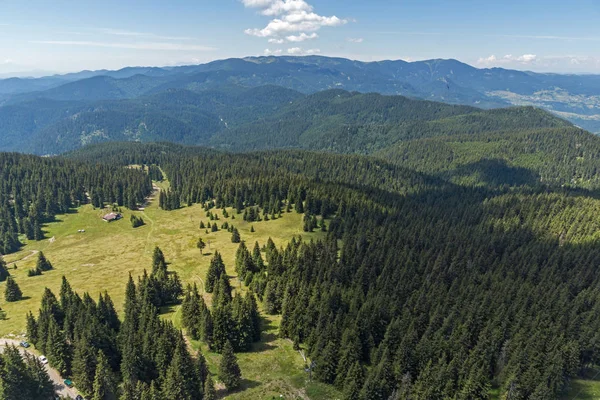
(575, 97)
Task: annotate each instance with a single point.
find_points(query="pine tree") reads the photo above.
(209, 389)
(257, 257)
(104, 384)
(42, 263)
(201, 368)
(32, 329)
(229, 370)
(12, 292)
(326, 367)
(159, 265)
(354, 381)
(215, 270)
(58, 350)
(84, 367)
(235, 236)
(251, 308)
(200, 245)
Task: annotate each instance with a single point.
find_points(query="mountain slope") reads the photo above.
(574, 97)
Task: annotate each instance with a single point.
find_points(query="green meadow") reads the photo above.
(102, 257)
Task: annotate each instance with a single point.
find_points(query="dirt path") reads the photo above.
(33, 253)
(60, 388)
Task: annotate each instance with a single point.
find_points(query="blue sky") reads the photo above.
(61, 36)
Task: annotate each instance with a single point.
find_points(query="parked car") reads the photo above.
(24, 344)
(68, 383)
(43, 360)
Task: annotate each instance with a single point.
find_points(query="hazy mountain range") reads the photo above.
(199, 104)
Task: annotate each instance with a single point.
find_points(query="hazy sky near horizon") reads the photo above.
(64, 36)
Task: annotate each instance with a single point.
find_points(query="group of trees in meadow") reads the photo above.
(139, 357)
(232, 319)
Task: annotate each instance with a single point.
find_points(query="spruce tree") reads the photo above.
(235, 236)
(104, 387)
(12, 292)
(215, 270)
(201, 368)
(229, 370)
(84, 366)
(159, 263)
(326, 367)
(58, 349)
(43, 264)
(354, 381)
(209, 388)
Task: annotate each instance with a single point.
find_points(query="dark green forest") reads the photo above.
(424, 288)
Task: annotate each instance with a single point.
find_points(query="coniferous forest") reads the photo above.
(441, 283)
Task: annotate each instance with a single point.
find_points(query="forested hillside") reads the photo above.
(267, 117)
(560, 156)
(423, 288)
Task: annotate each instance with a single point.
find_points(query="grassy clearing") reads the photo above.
(103, 257)
(587, 388)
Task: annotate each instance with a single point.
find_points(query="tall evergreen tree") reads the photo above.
(215, 270)
(84, 367)
(209, 389)
(12, 292)
(229, 370)
(42, 263)
(104, 384)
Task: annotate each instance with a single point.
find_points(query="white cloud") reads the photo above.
(276, 41)
(508, 59)
(133, 46)
(294, 20)
(527, 58)
(276, 52)
(298, 51)
(301, 37)
(355, 40)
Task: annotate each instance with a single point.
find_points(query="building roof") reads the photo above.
(111, 216)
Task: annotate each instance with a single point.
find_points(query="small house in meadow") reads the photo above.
(112, 217)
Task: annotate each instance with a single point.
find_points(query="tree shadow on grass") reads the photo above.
(266, 338)
(244, 385)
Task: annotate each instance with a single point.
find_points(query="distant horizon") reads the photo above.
(36, 74)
